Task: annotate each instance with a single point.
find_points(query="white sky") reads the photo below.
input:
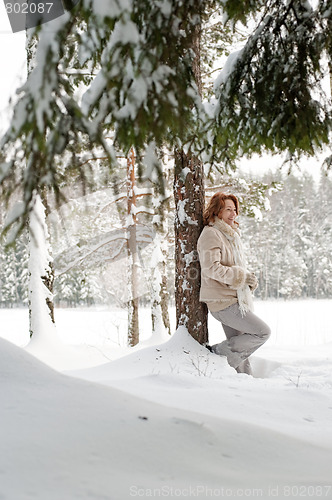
(13, 64)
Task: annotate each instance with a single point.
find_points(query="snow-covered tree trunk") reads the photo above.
(159, 294)
(164, 296)
(189, 202)
(41, 275)
(156, 280)
(189, 196)
(133, 325)
(41, 269)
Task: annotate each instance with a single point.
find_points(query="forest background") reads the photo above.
(287, 246)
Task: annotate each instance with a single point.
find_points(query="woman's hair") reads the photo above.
(216, 204)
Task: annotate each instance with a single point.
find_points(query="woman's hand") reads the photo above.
(251, 281)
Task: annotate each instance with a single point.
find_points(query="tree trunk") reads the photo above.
(133, 326)
(164, 295)
(41, 274)
(189, 195)
(46, 277)
(158, 264)
(189, 202)
(159, 294)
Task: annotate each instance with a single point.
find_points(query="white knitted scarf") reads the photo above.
(233, 235)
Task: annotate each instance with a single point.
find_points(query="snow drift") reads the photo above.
(68, 438)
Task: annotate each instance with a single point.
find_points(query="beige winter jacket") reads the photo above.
(220, 278)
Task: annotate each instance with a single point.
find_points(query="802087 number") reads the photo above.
(306, 491)
(28, 8)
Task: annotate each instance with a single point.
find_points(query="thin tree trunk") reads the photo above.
(156, 281)
(159, 293)
(41, 274)
(133, 325)
(46, 277)
(189, 198)
(164, 295)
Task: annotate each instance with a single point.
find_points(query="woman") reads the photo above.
(226, 285)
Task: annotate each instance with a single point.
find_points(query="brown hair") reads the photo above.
(216, 204)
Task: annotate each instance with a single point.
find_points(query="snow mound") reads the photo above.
(66, 438)
(181, 354)
(50, 349)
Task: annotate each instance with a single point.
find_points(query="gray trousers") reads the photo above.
(244, 335)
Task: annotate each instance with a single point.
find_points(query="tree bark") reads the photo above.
(133, 324)
(47, 277)
(189, 195)
(41, 273)
(164, 295)
(159, 293)
(189, 201)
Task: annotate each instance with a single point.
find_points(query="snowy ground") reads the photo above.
(168, 420)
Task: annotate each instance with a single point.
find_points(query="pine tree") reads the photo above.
(270, 92)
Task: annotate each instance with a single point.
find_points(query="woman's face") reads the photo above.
(228, 213)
